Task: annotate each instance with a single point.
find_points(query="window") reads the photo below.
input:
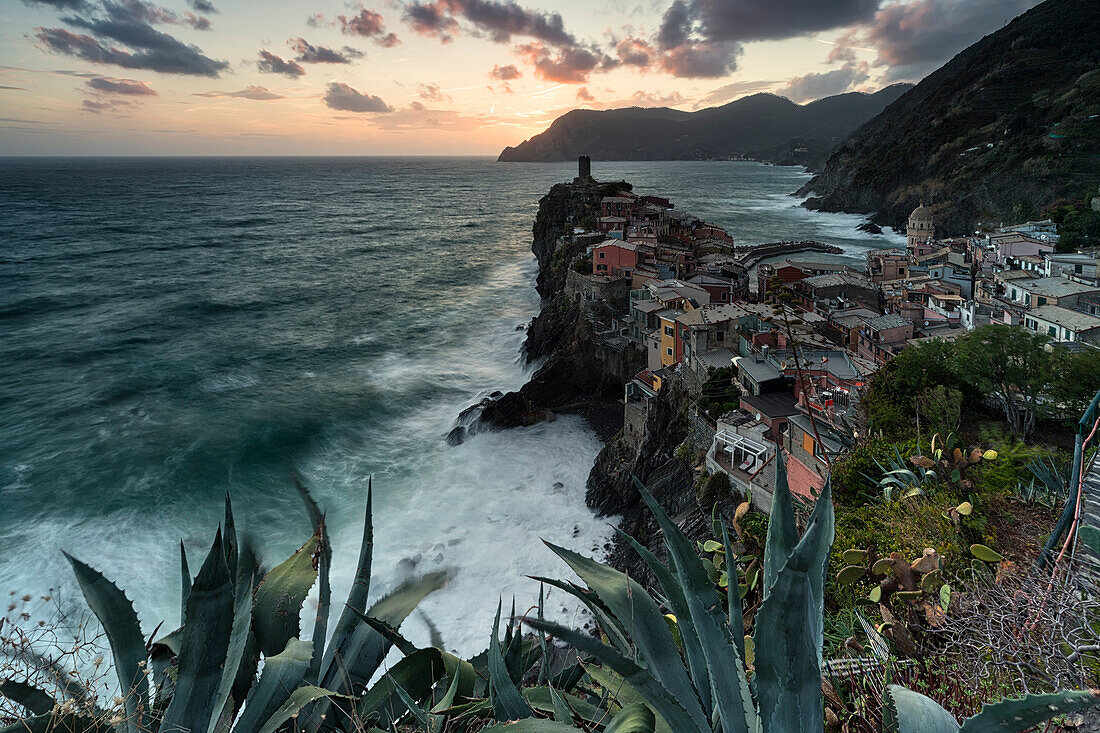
(1042, 300)
(669, 351)
(603, 255)
(807, 443)
(1052, 331)
(1027, 298)
(1077, 269)
(670, 331)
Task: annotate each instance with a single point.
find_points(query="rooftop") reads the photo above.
(890, 320)
(1056, 287)
(834, 279)
(1066, 318)
(772, 404)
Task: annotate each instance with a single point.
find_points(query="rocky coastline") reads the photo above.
(583, 372)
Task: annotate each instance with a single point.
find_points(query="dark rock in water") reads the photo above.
(870, 227)
(496, 395)
(558, 486)
(520, 327)
(457, 436)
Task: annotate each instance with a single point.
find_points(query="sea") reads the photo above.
(175, 330)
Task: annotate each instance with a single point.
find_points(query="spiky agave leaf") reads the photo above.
(634, 718)
(1013, 715)
(282, 674)
(277, 610)
(204, 642)
(417, 674)
(120, 622)
(508, 703)
(324, 566)
(223, 711)
(732, 697)
(27, 695)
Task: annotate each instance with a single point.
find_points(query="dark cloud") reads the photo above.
(20, 89)
(198, 22)
(122, 33)
(430, 20)
(499, 20)
(310, 54)
(757, 20)
(111, 85)
(59, 4)
(635, 52)
(815, 86)
(316, 20)
(258, 93)
(504, 73)
(269, 63)
(341, 96)
(202, 6)
(155, 51)
(701, 59)
(568, 65)
(917, 36)
(584, 95)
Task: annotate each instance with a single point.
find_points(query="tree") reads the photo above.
(1075, 380)
(1010, 365)
(891, 401)
(941, 406)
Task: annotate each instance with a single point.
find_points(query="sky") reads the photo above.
(431, 77)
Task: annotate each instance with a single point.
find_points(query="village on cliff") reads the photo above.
(683, 291)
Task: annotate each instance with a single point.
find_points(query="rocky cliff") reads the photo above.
(997, 134)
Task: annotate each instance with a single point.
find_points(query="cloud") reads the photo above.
(153, 50)
(570, 65)
(735, 90)
(504, 73)
(202, 6)
(584, 95)
(917, 36)
(368, 24)
(430, 20)
(701, 59)
(269, 63)
(59, 4)
(758, 20)
(815, 86)
(258, 93)
(341, 96)
(310, 54)
(635, 52)
(431, 92)
(500, 21)
(20, 89)
(111, 85)
(100, 105)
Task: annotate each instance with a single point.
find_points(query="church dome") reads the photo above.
(921, 213)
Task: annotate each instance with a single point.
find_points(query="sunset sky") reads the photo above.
(392, 77)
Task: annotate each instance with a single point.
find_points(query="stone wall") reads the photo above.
(616, 292)
(701, 429)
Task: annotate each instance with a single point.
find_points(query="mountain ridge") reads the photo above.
(761, 125)
(1001, 131)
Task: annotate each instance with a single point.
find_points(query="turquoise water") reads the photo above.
(175, 329)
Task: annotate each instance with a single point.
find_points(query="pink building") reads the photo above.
(614, 259)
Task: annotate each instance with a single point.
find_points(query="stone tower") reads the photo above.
(584, 168)
(921, 230)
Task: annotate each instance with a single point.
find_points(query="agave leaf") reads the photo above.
(279, 598)
(634, 718)
(282, 673)
(788, 676)
(621, 691)
(364, 649)
(508, 704)
(697, 663)
(391, 634)
(418, 713)
(29, 696)
(782, 532)
(297, 700)
(230, 538)
(610, 625)
(656, 696)
(185, 577)
(204, 642)
(238, 641)
(417, 674)
(324, 566)
(905, 711)
(120, 622)
(644, 623)
(562, 712)
(1018, 715)
(736, 617)
(732, 697)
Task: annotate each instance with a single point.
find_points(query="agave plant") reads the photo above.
(897, 476)
(702, 684)
(203, 676)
